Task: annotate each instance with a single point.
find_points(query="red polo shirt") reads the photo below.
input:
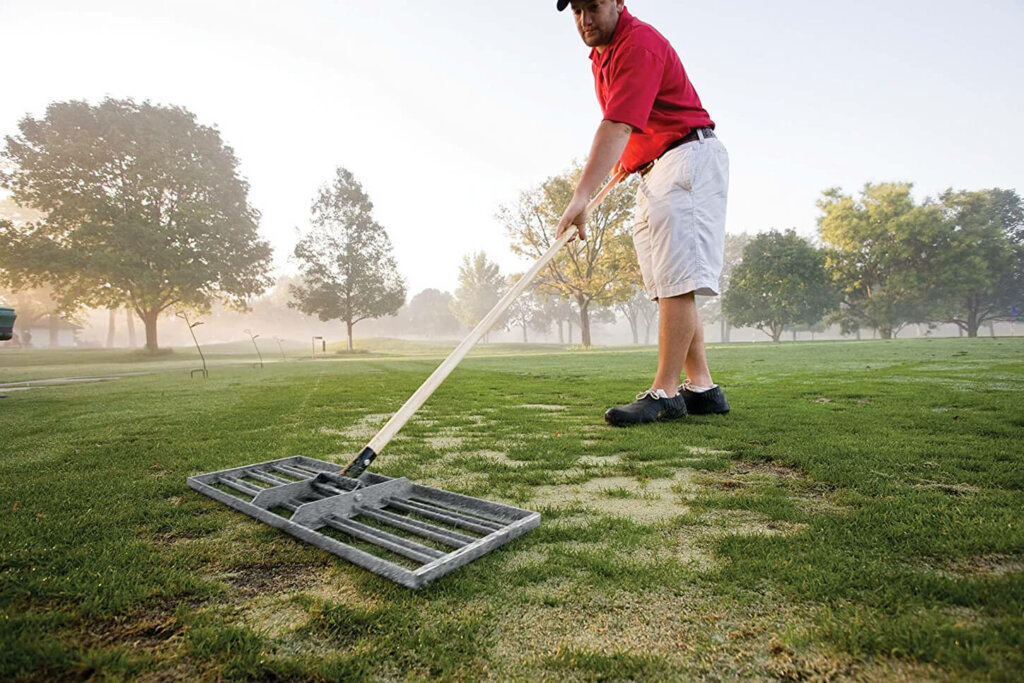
(640, 81)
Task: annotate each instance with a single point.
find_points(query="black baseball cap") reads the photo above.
(562, 4)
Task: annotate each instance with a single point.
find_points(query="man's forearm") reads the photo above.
(609, 141)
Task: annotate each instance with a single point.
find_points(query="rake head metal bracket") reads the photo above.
(406, 532)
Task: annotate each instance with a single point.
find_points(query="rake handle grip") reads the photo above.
(359, 463)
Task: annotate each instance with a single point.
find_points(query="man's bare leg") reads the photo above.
(696, 364)
(680, 343)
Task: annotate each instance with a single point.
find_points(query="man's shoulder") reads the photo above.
(642, 34)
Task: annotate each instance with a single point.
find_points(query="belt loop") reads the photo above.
(700, 135)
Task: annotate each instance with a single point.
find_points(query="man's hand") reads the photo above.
(574, 216)
(609, 141)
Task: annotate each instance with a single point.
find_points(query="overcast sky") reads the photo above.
(445, 110)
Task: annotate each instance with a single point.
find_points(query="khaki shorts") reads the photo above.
(679, 233)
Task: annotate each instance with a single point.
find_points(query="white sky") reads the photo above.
(446, 109)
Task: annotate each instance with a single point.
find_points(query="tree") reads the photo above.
(885, 255)
(481, 285)
(601, 270)
(638, 309)
(556, 309)
(781, 282)
(143, 206)
(527, 311)
(429, 313)
(985, 256)
(348, 269)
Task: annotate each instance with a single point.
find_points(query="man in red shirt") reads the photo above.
(655, 124)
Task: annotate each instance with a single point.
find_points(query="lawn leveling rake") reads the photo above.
(409, 533)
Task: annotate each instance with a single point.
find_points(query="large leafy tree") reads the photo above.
(985, 256)
(429, 313)
(603, 269)
(348, 269)
(481, 285)
(885, 254)
(143, 206)
(780, 283)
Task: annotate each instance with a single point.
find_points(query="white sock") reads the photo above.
(699, 390)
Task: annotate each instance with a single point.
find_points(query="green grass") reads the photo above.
(860, 513)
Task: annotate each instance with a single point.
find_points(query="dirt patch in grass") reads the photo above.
(980, 566)
(444, 442)
(746, 523)
(698, 450)
(955, 490)
(273, 615)
(366, 428)
(770, 469)
(600, 460)
(262, 579)
(691, 633)
(148, 630)
(651, 500)
(543, 406)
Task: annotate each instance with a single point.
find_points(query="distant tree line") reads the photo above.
(122, 205)
(885, 262)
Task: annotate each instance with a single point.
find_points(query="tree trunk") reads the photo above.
(885, 332)
(634, 329)
(525, 340)
(132, 342)
(972, 323)
(111, 327)
(584, 323)
(349, 326)
(794, 334)
(776, 335)
(569, 322)
(647, 333)
(560, 337)
(149, 320)
(992, 328)
(858, 334)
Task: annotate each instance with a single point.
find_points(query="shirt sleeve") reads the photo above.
(633, 84)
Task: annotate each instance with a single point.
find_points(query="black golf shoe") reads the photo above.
(710, 402)
(649, 406)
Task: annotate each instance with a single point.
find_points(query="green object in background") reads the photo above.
(7, 317)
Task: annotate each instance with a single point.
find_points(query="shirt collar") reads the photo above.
(624, 22)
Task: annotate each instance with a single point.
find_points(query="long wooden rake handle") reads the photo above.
(359, 463)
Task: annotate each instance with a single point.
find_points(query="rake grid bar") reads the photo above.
(321, 499)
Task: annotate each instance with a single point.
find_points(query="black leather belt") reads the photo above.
(689, 137)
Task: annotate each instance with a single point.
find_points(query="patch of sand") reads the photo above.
(444, 443)
(979, 566)
(542, 406)
(655, 500)
(697, 450)
(366, 428)
(600, 460)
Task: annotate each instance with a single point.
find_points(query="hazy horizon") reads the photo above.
(444, 111)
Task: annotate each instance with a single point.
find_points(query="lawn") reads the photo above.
(859, 513)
